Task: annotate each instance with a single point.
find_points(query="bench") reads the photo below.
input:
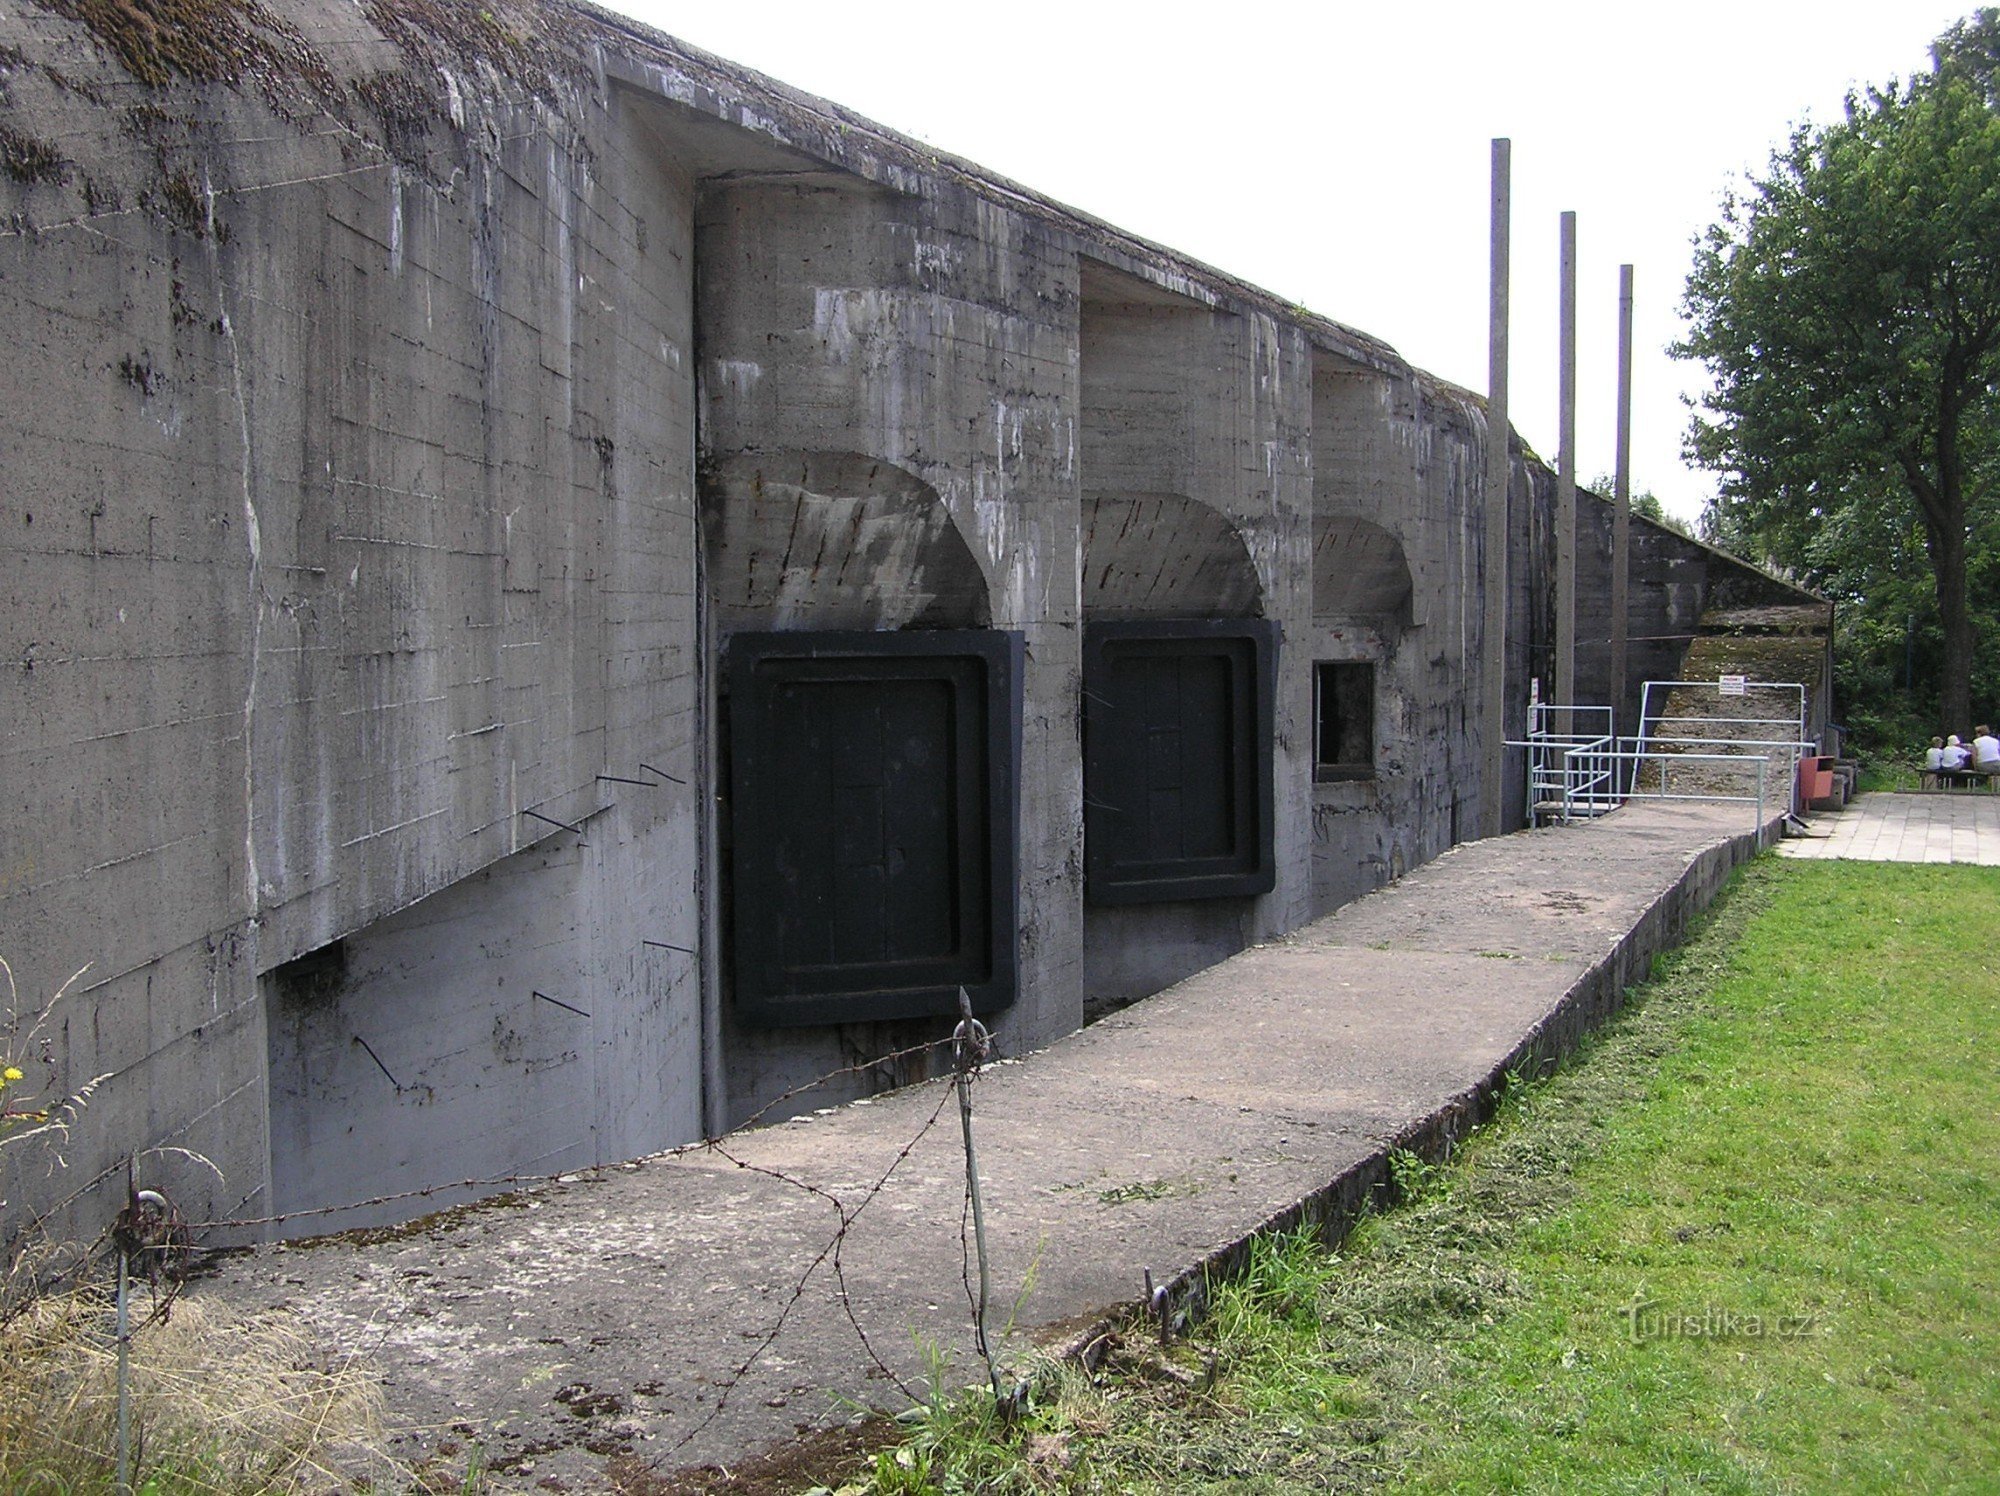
(1953, 779)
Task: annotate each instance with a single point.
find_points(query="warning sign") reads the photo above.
(1731, 685)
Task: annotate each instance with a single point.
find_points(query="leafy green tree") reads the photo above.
(1645, 503)
(1847, 305)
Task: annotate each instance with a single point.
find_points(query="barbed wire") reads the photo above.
(847, 1208)
(858, 1068)
(524, 1180)
(833, 1250)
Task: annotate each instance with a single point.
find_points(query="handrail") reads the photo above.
(1601, 773)
(1646, 717)
(1585, 773)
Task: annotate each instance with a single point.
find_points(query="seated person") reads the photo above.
(1934, 759)
(1985, 750)
(1956, 755)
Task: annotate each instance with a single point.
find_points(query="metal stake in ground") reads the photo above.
(970, 1045)
(124, 1376)
(148, 1224)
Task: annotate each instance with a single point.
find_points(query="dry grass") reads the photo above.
(219, 1404)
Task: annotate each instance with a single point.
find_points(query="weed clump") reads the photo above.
(209, 41)
(27, 159)
(218, 1403)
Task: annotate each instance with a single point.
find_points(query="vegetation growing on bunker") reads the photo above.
(74, 85)
(27, 159)
(183, 311)
(210, 41)
(245, 42)
(179, 196)
(101, 197)
(535, 54)
(140, 373)
(406, 107)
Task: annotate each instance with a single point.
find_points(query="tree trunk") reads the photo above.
(1946, 516)
(1948, 565)
(1941, 500)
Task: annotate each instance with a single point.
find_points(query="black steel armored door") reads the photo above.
(872, 814)
(1177, 760)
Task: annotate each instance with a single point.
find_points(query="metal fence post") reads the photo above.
(970, 1044)
(124, 1373)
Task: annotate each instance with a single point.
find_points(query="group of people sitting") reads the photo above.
(1949, 761)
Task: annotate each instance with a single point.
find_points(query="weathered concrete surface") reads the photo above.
(414, 401)
(1961, 826)
(612, 1313)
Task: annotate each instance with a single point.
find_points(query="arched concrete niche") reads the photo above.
(1359, 570)
(1164, 555)
(834, 540)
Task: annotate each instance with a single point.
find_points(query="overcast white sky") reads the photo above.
(1337, 154)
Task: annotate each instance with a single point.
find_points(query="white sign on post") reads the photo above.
(1731, 685)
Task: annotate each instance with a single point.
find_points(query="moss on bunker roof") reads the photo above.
(209, 41)
(237, 41)
(531, 46)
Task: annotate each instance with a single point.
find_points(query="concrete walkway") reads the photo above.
(1935, 826)
(614, 1313)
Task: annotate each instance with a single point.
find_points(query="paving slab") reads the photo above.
(704, 1305)
(1940, 826)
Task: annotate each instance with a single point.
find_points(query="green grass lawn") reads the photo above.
(1748, 1240)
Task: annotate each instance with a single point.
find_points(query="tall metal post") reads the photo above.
(124, 1486)
(1499, 472)
(1566, 481)
(1621, 512)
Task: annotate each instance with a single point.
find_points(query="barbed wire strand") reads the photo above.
(491, 1181)
(832, 1252)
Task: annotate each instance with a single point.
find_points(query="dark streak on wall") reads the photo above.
(408, 404)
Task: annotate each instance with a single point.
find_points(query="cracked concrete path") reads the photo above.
(611, 1313)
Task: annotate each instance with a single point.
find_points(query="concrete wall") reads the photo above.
(1192, 440)
(1396, 471)
(898, 367)
(1673, 582)
(406, 413)
(350, 532)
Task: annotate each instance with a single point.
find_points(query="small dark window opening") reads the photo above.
(1343, 721)
(315, 977)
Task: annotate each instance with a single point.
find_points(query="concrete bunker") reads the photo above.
(539, 400)
(468, 1037)
(1180, 664)
(869, 728)
(833, 540)
(1361, 605)
(1378, 768)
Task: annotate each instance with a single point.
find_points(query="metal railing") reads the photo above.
(1556, 732)
(1763, 750)
(1578, 781)
(1576, 772)
(1791, 726)
(1739, 762)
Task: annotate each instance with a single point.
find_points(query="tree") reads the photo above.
(1847, 305)
(1645, 503)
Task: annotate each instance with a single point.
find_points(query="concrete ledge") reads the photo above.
(1334, 1209)
(716, 1303)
